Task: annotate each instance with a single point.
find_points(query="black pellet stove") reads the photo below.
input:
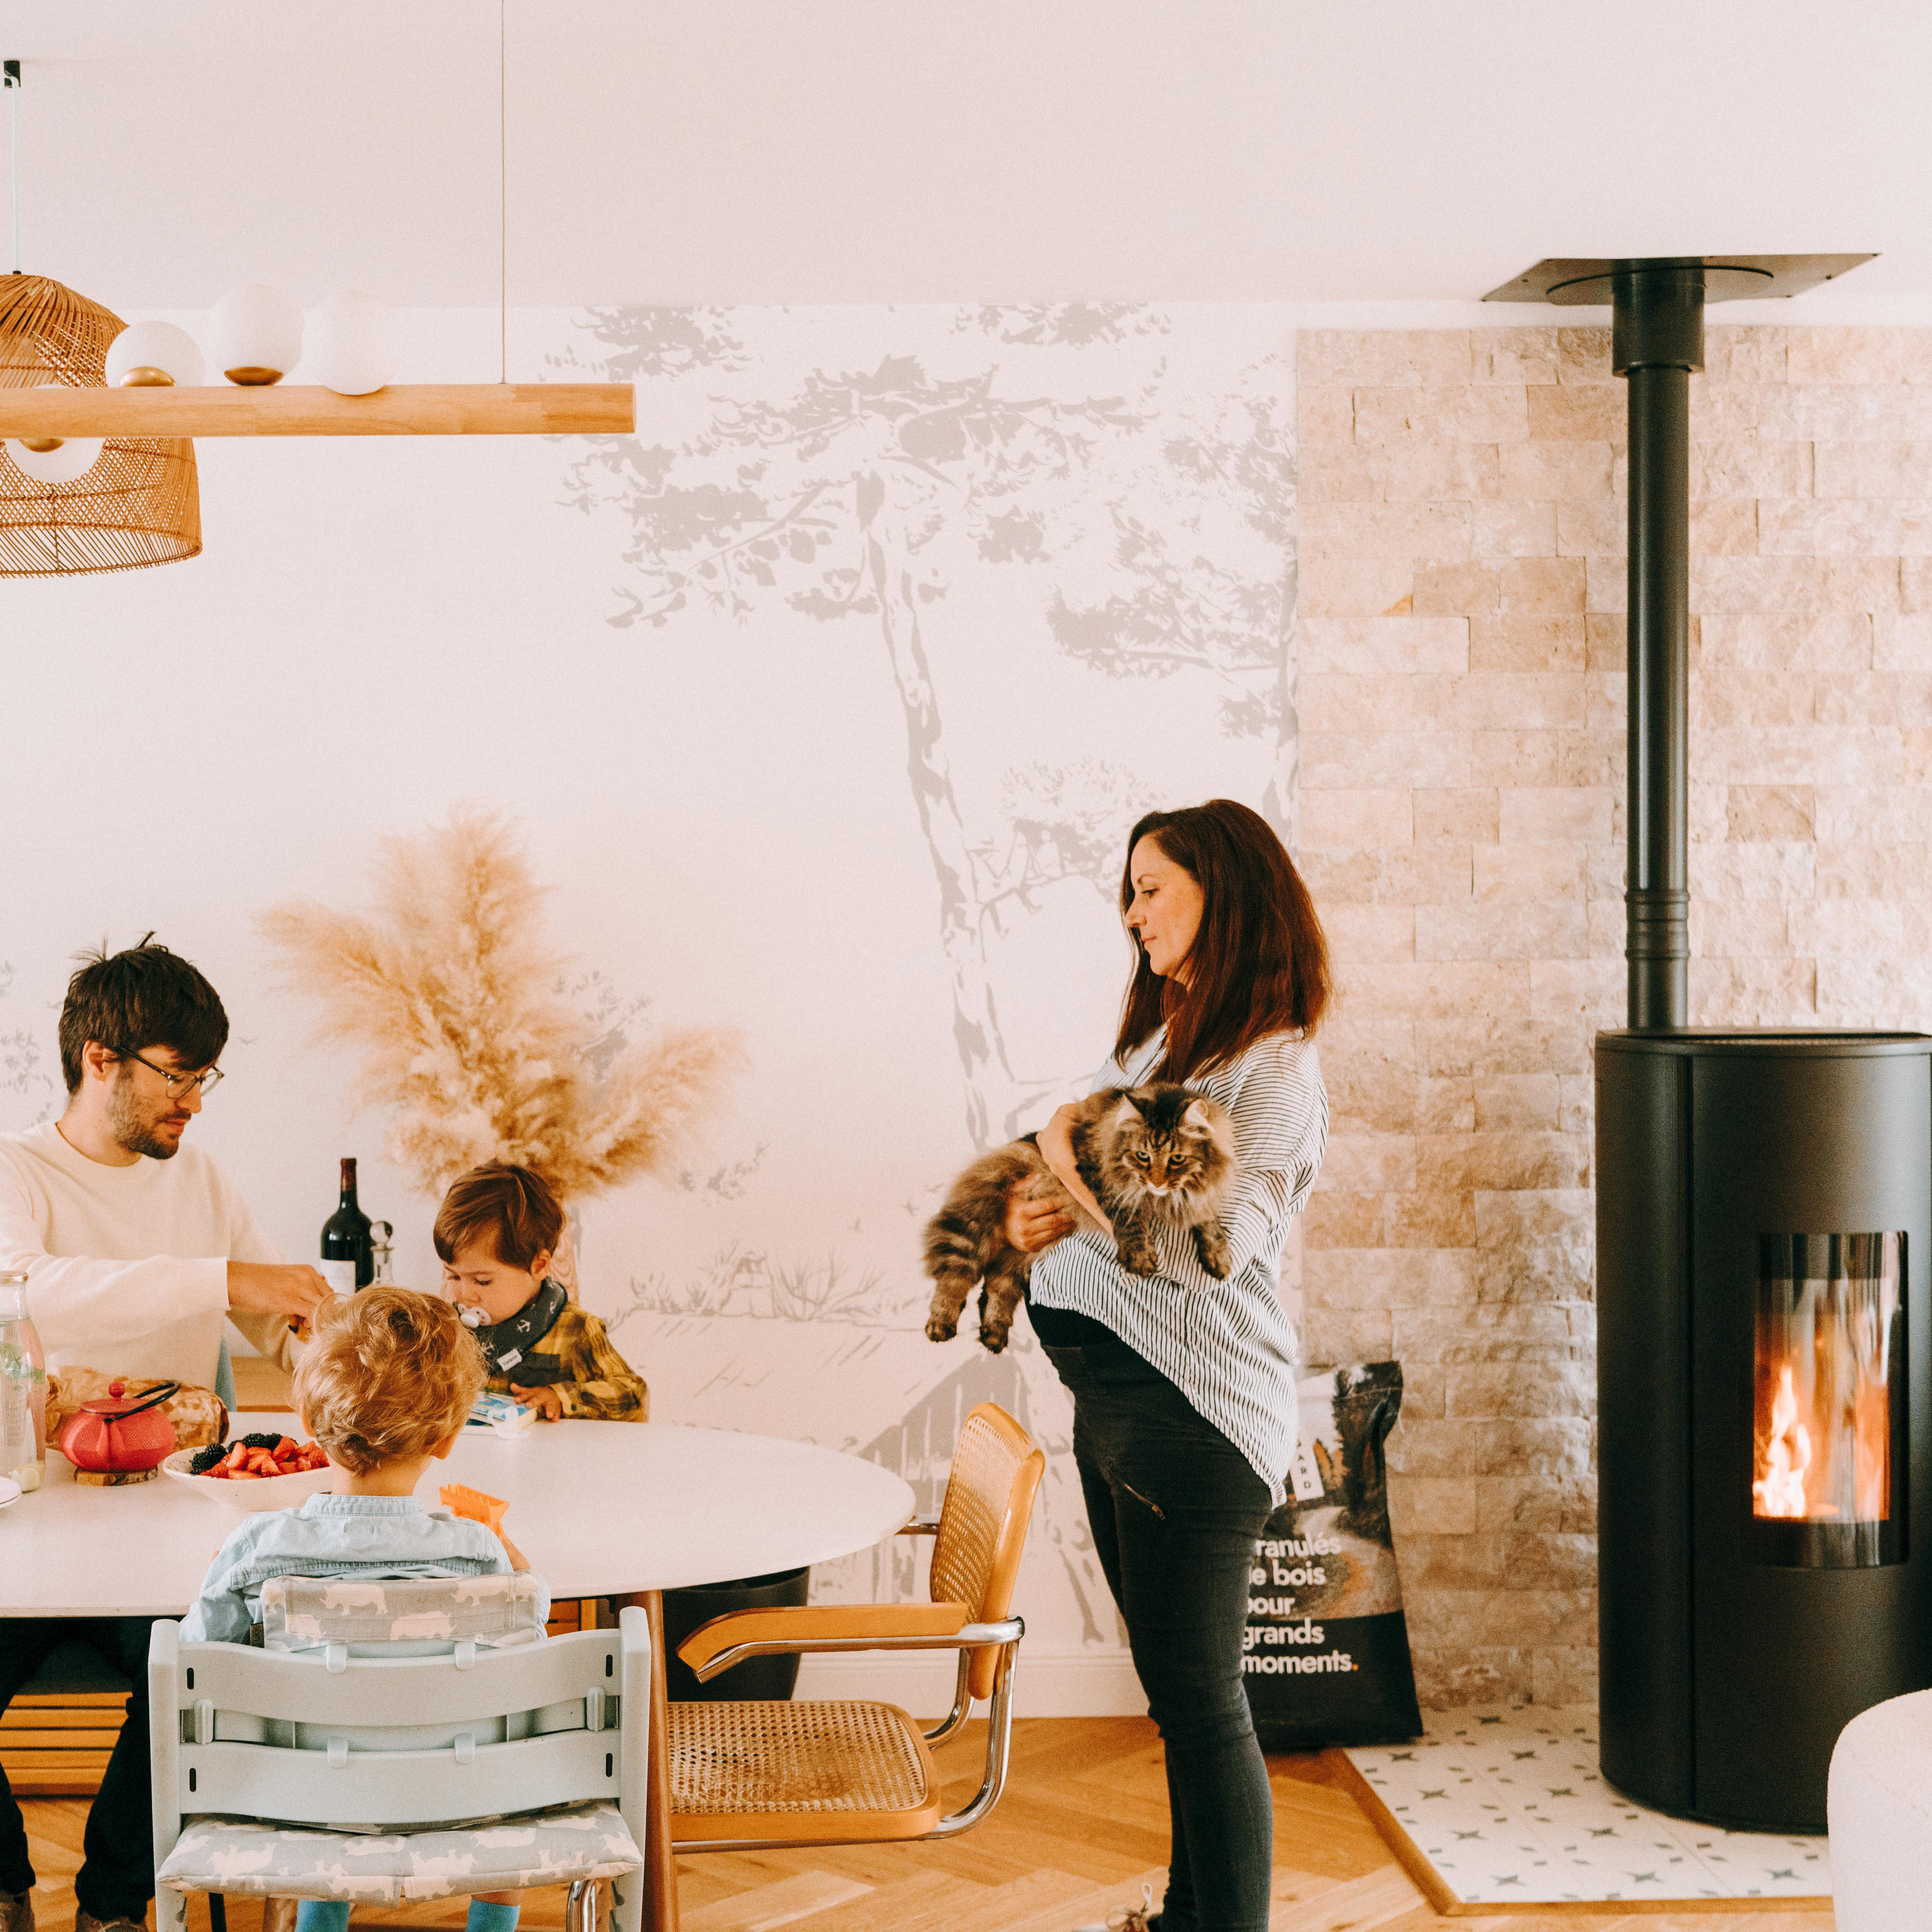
(1764, 1230)
(1764, 1250)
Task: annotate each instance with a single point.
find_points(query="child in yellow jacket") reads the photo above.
(495, 1232)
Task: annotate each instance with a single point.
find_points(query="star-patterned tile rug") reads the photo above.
(1501, 1807)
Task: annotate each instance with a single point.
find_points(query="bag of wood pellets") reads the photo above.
(1327, 1661)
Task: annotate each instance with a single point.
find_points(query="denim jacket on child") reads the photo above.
(337, 1536)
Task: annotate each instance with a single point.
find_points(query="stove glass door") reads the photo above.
(1829, 1402)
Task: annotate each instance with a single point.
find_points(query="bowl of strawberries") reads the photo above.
(265, 1471)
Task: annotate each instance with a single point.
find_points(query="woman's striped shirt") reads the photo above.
(1229, 1346)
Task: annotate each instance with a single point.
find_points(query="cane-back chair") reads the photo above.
(756, 1773)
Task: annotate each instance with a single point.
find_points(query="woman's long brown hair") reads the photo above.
(1259, 963)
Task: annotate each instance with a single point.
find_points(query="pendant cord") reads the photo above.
(14, 102)
(503, 198)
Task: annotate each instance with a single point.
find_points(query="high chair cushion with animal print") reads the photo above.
(254, 1860)
(398, 1616)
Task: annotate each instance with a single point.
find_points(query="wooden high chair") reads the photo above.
(755, 1774)
(394, 1741)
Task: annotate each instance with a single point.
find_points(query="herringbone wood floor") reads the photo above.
(1084, 1822)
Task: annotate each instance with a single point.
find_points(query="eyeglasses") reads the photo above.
(177, 1083)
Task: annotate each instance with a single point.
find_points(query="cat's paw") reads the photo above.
(993, 1335)
(1139, 1258)
(941, 1327)
(1213, 1249)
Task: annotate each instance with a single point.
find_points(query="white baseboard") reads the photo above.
(1048, 1683)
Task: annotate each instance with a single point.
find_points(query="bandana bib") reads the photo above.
(506, 1347)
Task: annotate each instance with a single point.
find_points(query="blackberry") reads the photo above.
(207, 1458)
(261, 1440)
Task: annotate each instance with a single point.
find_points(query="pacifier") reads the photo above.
(470, 1315)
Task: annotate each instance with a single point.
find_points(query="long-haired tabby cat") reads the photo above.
(1148, 1154)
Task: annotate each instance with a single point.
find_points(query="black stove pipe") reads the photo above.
(1657, 342)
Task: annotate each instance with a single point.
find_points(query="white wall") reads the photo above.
(866, 151)
(724, 802)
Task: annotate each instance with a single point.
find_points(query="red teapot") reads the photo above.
(117, 1432)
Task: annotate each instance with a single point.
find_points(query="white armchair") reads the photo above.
(1879, 1806)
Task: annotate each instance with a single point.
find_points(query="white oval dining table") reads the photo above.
(602, 1509)
(599, 1509)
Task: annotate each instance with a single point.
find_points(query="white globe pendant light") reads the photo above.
(255, 335)
(154, 355)
(349, 344)
(54, 459)
(67, 463)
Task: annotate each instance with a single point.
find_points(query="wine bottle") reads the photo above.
(348, 1260)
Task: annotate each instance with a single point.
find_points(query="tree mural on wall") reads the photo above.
(22, 1072)
(1190, 603)
(835, 500)
(861, 498)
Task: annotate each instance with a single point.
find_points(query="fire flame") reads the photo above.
(1781, 1491)
(1827, 1361)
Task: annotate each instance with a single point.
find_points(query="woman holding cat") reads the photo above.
(1183, 1384)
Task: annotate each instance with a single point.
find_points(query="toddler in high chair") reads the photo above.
(497, 1232)
(385, 1387)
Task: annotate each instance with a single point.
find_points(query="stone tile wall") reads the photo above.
(1462, 694)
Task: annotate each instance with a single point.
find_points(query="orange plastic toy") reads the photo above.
(460, 1500)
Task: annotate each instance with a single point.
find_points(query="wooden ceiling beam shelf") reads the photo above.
(426, 408)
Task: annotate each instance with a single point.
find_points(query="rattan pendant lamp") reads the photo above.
(139, 502)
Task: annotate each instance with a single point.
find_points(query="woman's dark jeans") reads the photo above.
(1175, 1510)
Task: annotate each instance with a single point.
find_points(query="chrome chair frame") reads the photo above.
(962, 1704)
(973, 1641)
(1006, 1633)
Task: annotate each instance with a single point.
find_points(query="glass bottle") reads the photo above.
(347, 1261)
(23, 1388)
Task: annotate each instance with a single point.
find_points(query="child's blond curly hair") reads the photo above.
(389, 1374)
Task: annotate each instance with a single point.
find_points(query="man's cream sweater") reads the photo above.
(127, 1267)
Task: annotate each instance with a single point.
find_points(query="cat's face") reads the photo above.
(1168, 1142)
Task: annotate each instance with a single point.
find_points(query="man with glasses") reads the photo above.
(136, 1249)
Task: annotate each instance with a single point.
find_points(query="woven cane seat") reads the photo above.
(748, 1774)
(812, 1771)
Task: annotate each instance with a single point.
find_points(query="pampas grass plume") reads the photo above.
(449, 995)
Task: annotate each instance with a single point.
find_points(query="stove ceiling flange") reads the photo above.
(1577, 281)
